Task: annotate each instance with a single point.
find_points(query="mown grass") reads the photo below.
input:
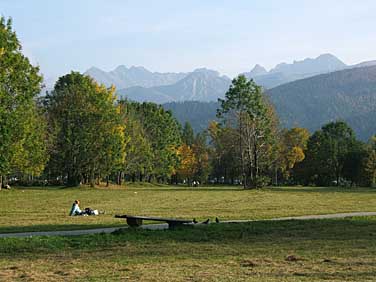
(35, 209)
(312, 250)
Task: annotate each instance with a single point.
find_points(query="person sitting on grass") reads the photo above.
(75, 210)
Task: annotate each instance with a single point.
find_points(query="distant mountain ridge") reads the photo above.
(284, 73)
(123, 77)
(208, 85)
(199, 85)
(140, 84)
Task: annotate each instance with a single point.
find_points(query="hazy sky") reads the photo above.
(181, 35)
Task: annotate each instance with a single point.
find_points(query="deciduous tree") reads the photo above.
(188, 136)
(292, 146)
(256, 122)
(20, 83)
(326, 153)
(89, 135)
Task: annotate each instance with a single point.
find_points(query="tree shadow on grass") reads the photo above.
(262, 238)
(55, 227)
(46, 188)
(320, 275)
(321, 189)
(194, 189)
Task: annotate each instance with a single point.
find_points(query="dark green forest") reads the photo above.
(198, 114)
(349, 95)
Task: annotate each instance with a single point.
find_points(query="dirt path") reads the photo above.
(165, 226)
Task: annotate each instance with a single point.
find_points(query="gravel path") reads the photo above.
(165, 225)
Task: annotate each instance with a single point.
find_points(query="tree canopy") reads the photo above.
(20, 83)
(246, 108)
(88, 134)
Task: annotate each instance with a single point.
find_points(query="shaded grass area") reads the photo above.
(312, 250)
(36, 209)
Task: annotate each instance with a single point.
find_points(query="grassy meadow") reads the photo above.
(36, 209)
(310, 250)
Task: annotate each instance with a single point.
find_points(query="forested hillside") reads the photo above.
(349, 95)
(198, 114)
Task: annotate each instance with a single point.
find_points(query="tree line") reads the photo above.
(80, 133)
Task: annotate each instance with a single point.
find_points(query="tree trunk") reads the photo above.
(73, 180)
(91, 179)
(255, 167)
(1, 181)
(276, 176)
(119, 178)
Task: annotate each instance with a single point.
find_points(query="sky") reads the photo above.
(230, 36)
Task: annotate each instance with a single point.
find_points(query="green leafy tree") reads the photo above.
(30, 152)
(256, 122)
(201, 153)
(224, 153)
(326, 153)
(188, 136)
(88, 133)
(353, 164)
(164, 134)
(369, 164)
(138, 162)
(20, 82)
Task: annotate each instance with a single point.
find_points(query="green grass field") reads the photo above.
(319, 250)
(32, 209)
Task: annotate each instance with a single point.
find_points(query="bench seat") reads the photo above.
(136, 221)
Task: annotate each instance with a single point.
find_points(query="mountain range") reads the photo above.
(284, 72)
(199, 85)
(123, 77)
(140, 84)
(348, 95)
(307, 93)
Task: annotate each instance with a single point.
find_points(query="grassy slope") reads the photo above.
(327, 250)
(46, 209)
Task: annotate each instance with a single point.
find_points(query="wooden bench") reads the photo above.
(136, 221)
